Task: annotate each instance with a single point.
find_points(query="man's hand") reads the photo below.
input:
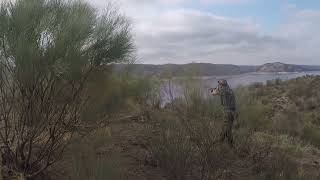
(214, 92)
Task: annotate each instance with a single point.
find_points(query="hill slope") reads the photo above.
(280, 67)
(207, 69)
(197, 69)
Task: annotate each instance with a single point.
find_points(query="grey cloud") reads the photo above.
(302, 30)
(182, 36)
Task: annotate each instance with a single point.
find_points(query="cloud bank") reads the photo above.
(167, 32)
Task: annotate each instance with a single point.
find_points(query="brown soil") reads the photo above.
(130, 143)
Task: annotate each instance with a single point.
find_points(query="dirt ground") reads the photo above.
(129, 142)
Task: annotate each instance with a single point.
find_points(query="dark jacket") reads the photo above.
(227, 98)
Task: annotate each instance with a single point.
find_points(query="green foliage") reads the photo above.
(88, 164)
(256, 116)
(61, 37)
(287, 144)
(311, 133)
(50, 51)
(111, 95)
(174, 154)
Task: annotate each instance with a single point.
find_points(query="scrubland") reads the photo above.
(276, 135)
(66, 114)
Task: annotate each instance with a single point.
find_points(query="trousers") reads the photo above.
(226, 133)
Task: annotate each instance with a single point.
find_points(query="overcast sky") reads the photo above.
(224, 31)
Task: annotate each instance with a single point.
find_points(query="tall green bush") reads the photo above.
(49, 50)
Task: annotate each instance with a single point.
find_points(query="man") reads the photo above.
(229, 105)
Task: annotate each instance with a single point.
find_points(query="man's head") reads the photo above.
(221, 84)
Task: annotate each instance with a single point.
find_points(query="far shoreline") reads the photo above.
(217, 77)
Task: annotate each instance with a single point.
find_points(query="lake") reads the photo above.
(250, 78)
(172, 90)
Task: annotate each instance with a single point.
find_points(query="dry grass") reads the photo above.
(270, 143)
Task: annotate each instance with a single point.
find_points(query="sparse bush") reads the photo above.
(311, 134)
(113, 95)
(256, 116)
(174, 154)
(87, 163)
(48, 51)
(266, 145)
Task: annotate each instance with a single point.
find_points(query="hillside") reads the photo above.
(277, 137)
(207, 69)
(310, 68)
(197, 69)
(282, 67)
(276, 134)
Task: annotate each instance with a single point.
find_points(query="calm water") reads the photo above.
(174, 90)
(250, 78)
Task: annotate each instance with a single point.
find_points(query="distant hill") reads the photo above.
(206, 69)
(310, 68)
(279, 67)
(175, 70)
(282, 67)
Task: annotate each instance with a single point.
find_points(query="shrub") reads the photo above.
(87, 163)
(311, 134)
(48, 51)
(266, 145)
(256, 116)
